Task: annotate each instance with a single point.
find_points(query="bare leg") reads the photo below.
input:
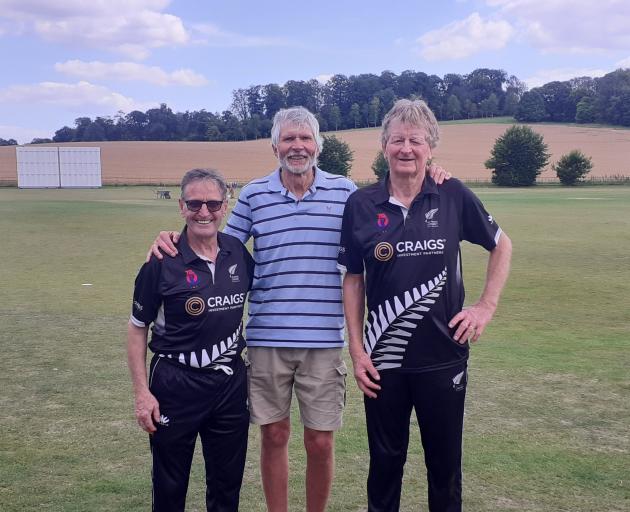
(320, 465)
(274, 464)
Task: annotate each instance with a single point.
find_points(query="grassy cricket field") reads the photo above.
(548, 407)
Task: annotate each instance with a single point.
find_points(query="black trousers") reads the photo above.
(208, 403)
(438, 399)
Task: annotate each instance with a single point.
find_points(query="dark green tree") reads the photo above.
(355, 115)
(531, 108)
(335, 117)
(8, 142)
(585, 110)
(336, 156)
(573, 167)
(453, 107)
(65, 134)
(379, 166)
(518, 157)
(39, 140)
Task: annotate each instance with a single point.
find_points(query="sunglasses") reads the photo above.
(194, 205)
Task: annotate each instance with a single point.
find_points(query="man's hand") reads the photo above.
(166, 241)
(147, 411)
(366, 375)
(471, 322)
(438, 174)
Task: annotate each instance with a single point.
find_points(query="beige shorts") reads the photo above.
(318, 376)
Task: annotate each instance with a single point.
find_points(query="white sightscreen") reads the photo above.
(54, 167)
(37, 167)
(80, 167)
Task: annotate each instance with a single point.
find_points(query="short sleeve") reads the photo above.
(350, 258)
(478, 226)
(239, 223)
(146, 297)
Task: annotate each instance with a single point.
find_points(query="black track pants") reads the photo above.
(438, 398)
(208, 403)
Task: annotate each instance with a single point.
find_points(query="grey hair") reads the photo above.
(415, 113)
(296, 116)
(205, 175)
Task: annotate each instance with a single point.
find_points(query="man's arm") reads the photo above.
(147, 407)
(354, 308)
(474, 319)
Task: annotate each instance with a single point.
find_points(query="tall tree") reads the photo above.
(453, 107)
(531, 108)
(274, 99)
(355, 115)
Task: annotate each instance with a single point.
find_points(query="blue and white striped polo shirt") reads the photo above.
(295, 300)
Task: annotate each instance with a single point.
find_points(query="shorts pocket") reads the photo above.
(342, 371)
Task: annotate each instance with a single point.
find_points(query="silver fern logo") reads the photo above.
(390, 327)
(232, 272)
(430, 218)
(164, 420)
(457, 381)
(221, 353)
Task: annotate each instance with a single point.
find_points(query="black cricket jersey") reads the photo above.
(197, 317)
(413, 269)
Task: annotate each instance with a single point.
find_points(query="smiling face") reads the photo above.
(406, 149)
(202, 224)
(296, 149)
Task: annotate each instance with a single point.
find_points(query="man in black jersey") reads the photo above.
(404, 234)
(197, 380)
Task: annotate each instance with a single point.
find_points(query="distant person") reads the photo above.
(295, 331)
(400, 245)
(197, 381)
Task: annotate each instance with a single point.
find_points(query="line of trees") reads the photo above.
(580, 100)
(359, 101)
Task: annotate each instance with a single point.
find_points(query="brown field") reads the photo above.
(463, 150)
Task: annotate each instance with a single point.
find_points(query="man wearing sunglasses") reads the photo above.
(295, 330)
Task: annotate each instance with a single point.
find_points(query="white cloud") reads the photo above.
(544, 76)
(463, 38)
(214, 36)
(130, 27)
(129, 71)
(623, 63)
(80, 94)
(569, 26)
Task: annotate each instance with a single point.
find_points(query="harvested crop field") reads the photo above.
(463, 150)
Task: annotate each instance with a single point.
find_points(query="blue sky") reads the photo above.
(65, 59)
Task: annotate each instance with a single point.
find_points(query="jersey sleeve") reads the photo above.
(350, 258)
(146, 297)
(249, 263)
(239, 223)
(478, 226)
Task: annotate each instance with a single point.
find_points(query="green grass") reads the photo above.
(548, 404)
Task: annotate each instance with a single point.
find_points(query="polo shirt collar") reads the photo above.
(275, 182)
(428, 187)
(189, 255)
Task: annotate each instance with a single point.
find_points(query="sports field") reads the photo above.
(548, 403)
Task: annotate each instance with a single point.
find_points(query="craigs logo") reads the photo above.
(383, 251)
(382, 221)
(191, 277)
(195, 306)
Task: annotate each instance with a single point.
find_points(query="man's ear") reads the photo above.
(275, 150)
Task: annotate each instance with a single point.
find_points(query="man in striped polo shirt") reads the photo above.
(295, 332)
